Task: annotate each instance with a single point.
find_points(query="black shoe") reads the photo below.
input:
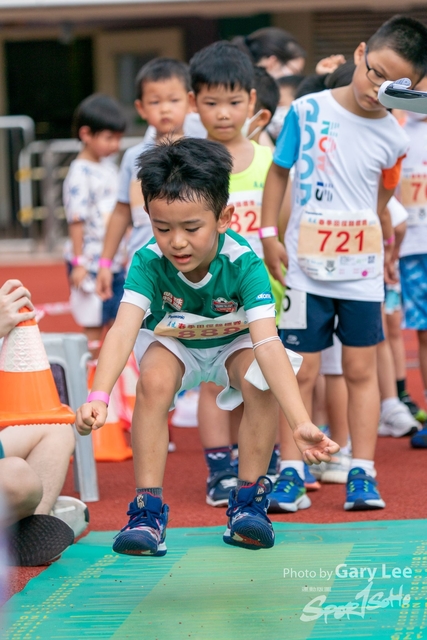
(37, 540)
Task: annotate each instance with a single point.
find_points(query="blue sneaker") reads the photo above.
(289, 492)
(273, 466)
(419, 440)
(362, 492)
(248, 525)
(145, 533)
(218, 487)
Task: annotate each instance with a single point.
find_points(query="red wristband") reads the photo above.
(105, 262)
(99, 395)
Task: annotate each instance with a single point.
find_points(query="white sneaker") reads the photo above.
(398, 422)
(72, 511)
(336, 471)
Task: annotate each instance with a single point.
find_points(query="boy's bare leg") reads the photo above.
(160, 378)
(46, 448)
(214, 423)
(258, 427)
(394, 330)
(422, 345)
(360, 371)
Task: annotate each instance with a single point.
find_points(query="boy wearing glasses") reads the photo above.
(347, 151)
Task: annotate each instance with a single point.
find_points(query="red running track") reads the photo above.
(400, 469)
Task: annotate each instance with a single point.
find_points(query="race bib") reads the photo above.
(293, 313)
(340, 245)
(188, 326)
(413, 191)
(246, 218)
(139, 215)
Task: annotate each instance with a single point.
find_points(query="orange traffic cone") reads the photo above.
(28, 393)
(109, 442)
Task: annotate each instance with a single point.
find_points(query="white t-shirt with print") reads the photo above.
(339, 158)
(413, 189)
(90, 195)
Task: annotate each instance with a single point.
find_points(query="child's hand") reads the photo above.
(329, 64)
(275, 255)
(314, 445)
(104, 280)
(90, 416)
(77, 275)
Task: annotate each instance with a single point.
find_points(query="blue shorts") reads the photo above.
(413, 279)
(359, 325)
(110, 307)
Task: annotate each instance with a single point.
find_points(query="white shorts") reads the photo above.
(331, 359)
(200, 365)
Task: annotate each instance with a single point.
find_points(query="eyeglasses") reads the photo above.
(375, 77)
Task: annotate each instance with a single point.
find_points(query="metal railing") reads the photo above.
(47, 163)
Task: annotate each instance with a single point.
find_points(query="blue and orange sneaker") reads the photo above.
(362, 492)
(145, 533)
(248, 525)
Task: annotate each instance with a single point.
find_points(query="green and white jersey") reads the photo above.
(210, 313)
(246, 189)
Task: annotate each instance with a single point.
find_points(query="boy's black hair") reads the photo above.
(290, 81)
(311, 84)
(267, 91)
(221, 64)
(270, 41)
(187, 170)
(160, 69)
(100, 113)
(405, 36)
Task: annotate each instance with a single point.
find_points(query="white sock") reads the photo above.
(298, 465)
(388, 404)
(367, 465)
(345, 450)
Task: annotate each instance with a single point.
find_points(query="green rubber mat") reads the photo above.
(361, 580)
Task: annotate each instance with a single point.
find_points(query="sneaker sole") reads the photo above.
(384, 432)
(277, 507)
(253, 541)
(38, 540)
(126, 549)
(364, 505)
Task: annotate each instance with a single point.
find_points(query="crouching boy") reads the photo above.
(211, 319)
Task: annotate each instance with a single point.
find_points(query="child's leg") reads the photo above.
(154, 395)
(93, 335)
(214, 430)
(337, 408)
(422, 344)
(160, 378)
(395, 338)
(360, 372)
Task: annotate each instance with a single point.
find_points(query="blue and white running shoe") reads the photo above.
(145, 533)
(419, 440)
(248, 525)
(289, 492)
(362, 492)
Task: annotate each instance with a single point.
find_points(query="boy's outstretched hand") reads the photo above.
(90, 416)
(314, 445)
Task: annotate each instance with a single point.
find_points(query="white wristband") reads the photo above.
(268, 232)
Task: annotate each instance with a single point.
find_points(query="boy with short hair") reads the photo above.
(89, 194)
(210, 305)
(162, 87)
(413, 258)
(223, 80)
(347, 152)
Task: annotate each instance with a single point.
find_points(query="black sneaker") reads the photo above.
(419, 414)
(218, 487)
(38, 540)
